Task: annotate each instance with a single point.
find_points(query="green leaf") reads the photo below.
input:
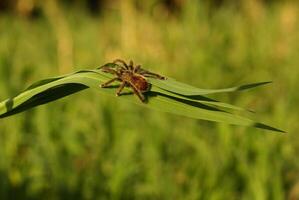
(159, 97)
(174, 86)
(201, 99)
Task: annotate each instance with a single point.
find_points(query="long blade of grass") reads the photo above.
(202, 99)
(51, 89)
(174, 86)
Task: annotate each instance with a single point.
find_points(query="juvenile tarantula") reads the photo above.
(129, 76)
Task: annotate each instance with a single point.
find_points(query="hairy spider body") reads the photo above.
(129, 76)
(138, 81)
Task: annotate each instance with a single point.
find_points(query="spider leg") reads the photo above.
(131, 65)
(122, 62)
(121, 87)
(108, 82)
(137, 68)
(138, 93)
(108, 70)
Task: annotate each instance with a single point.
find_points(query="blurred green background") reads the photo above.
(92, 146)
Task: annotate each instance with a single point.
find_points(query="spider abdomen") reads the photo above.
(140, 83)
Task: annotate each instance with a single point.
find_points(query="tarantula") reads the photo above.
(129, 76)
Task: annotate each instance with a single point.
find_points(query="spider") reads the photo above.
(129, 76)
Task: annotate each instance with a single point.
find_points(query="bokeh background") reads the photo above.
(92, 146)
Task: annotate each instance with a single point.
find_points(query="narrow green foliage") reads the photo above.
(165, 95)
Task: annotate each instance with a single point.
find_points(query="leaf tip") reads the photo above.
(253, 85)
(266, 127)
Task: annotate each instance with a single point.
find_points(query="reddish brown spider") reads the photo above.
(129, 76)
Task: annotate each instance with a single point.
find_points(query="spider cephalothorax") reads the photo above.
(129, 76)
